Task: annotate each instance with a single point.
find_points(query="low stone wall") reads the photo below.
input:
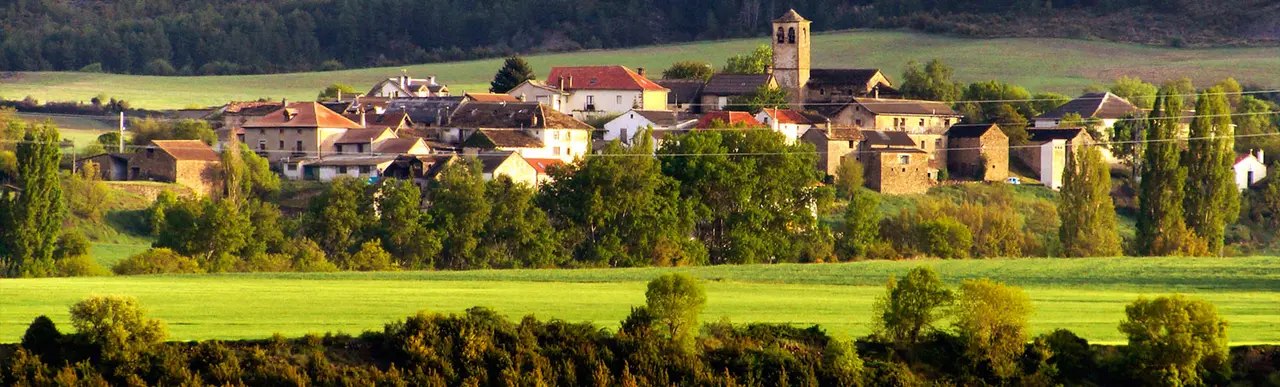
(150, 190)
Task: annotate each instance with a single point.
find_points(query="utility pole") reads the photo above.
(121, 139)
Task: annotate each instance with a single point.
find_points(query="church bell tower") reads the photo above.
(790, 37)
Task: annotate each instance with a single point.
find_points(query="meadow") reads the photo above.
(1086, 296)
(1058, 65)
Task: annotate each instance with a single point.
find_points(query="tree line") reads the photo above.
(234, 37)
(925, 333)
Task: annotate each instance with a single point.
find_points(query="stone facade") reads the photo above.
(897, 171)
(982, 157)
(791, 47)
(153, 164)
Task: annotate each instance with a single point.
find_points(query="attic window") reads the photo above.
(593, 81)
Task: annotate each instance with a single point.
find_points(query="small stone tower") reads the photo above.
(790, 37)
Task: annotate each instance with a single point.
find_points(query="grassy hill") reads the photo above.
(1060, 65)
(1086, 296)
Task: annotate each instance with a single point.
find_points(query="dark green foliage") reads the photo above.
(515, 70)
(689, 69)
(370, 257)
(1212, 199)
(1161, 228)
(944, 237)
(1088, 215)
(403, 225)
(42, 338)
(1044, 102)
(460, 212)
(1134, 90)
(336, 90)
(932, 83)
(909, 309)
(754, 62)
(524, 237)
(862, 225)
(337, 218)
(31, 219)
(761, 98)
(145, 130)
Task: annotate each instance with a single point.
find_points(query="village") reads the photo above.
(409, 128)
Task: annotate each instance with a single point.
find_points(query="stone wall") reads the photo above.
(886, 173)
(965, 159)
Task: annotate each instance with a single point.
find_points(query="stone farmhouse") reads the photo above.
(189, 163)
(892, 164)
(978, 152)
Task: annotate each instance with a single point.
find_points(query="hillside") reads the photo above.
(1040, 64)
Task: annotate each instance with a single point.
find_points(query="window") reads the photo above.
(299, 130)
(791, 35)
(339, 148)
(624, 137)
(281, 144)
(857, 122)
(904, 160)
(619, 99)
(921, 144)
(555, 134)
(922, 122)
(359, 148)
(262, 144)
(151, 152)
(364, 169)
(282, 131)
(781, 37)
(591, 102)
(298, 146)
(262, 132)
(555, 151)
(292, 167)
(342, 170)
(937, 143)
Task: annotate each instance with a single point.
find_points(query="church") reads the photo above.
(807, 85)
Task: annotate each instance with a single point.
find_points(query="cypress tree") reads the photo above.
(515, 70)
(1212, 199)
(33, 216)
(1161, 229)
(1088, 216)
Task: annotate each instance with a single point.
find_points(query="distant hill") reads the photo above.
(1059, 65)
(218, 37)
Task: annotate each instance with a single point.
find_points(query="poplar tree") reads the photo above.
(1088, 216)
(515, 70)
(31, 219)
(1212, 199)
(1161, 228)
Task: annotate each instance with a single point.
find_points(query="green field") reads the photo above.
(1084, 295)
(80, 130)
(1060, 65)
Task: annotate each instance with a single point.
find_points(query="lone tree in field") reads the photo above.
(1175, 341)
(1161, 227)
(515, 70)
(674, 302)
(1212, 199)
(31, 219)
(1088, 216)
(991, 319)
(909, 308)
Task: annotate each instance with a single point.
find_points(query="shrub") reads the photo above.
(159, 66)
(266, 263)
(910, 308)
(371, 257)
(674, 301)
(944, 237)
(42, 339)
(118, 326)
(991, 319)
(70, 244)
(156, 261)
(79, 266)
(307, 256)
(1071, 355)
(1175, 340)
(92, 68)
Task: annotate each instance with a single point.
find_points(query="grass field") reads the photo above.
(80, 130)
(1084, 295)
(1059, 65)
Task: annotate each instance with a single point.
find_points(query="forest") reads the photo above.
(218, 37)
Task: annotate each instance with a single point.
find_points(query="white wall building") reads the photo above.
(1249, 169)
(625, 126)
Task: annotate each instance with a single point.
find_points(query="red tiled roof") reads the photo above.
(601, 78)
(541, 165)
(728, 118)
(787, 116)
(303, 115)
(184, 150)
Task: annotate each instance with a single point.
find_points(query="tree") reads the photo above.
(1091, 125)
(1012, 123)
(1231, 90)
(1126, 133)
(1184, 89)
(31, 219)
(232, 169)
(910, 309)
(754, 62)
(761, 98)
(118, 326)
(1134, 90)
(1045, 101)
(944, 237)
(525, 237)
(403, 225)
(933, 83)
(515, 70)
(336, 91)
(460, 212)
(991, 320)
(861, 224)
(675, 300)
(86, 193)
(110, 141)
(689, 69)
(156, 261)
(1161, 227)
(1088, 216)
(336, 219)
(223, 234)
(370, 257)
(980, 112)
(258, 180)
(1175, 341)
(1212, 199)
(849, 177)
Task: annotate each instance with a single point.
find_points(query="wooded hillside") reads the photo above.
(208, 37)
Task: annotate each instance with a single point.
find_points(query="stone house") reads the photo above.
(1047, 150)
(904, 115)
(978, 151)
(834, 144)
(723, 88)
(602, 90)
(111, 166)
(1249, 169)
(892, 164)
(790, 123)
(531, 129)
(302, 130)
(663, 122)
(189, 163)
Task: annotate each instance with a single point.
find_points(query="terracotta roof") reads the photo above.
(512, 115)
(251, 108)
(970, 130)
(1049, 134)
(1103, 105)
(735, 84)
(491, 97)
(729, 118)
(905, 107)
(682, 90)
(887, 138)
(425, 111)
(541, 165)
(788, 116)
(1237, 162)
(790, 16)
(186, 150)
(302, 115)
(600, 78)
(489, 139)
(666, 118)
(397, 145)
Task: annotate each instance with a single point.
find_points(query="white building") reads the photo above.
(1046, 152)
(405, 87)
(625, 126)
(602, 90)
(1249, 169)
(790, 123)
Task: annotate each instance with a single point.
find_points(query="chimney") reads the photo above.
(570, 81)
(1260, 160)
(640, 71)
(876, 91)
(339, 95)
(560, 83)
(521, 97)
(362, 120)
(431, 79)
